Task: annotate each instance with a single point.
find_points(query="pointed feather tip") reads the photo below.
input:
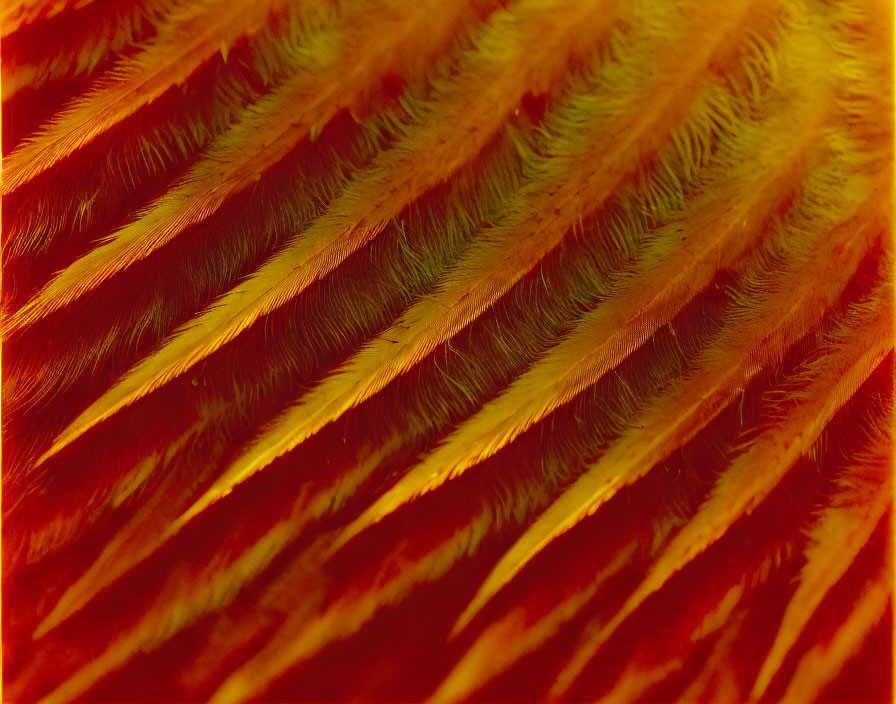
(375, 513)
(210, 497)
(69, 434)
(347, 534)
(71, 602)
(497, 579)
(468, 614)
(62, 441)
(49, 622)
(564, 681)
(232, 477)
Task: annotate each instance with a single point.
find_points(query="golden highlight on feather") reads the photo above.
(483, 350)
(190, 37)
(450, 127)
(740, 488)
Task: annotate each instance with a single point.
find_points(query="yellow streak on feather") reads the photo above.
(741, 488)
(17, 13)
(718, 669)
(838, 536)
(692, 405)
(184, 599)
(511, 637)
(465, 113)
(614, 330)
(431, 474)
(169, 60)
(118, 554)
(639, 677)
(145, 533)
(326, 79)
(821, 665)
(302, 637)
(515, 244)
(76, 60)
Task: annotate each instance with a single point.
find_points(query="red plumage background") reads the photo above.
(475, 350)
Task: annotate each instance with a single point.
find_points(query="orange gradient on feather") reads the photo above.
(519, 350)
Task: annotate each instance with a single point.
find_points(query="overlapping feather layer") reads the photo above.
(394, 351)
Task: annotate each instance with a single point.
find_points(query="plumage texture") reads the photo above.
(485, 350)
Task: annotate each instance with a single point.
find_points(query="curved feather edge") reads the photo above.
(746, 346)
(453, 125)
(184, 43)
(835, 378)
(824, 661)
(864, 494)
(416, 482)
(516, 242)
(263, 135)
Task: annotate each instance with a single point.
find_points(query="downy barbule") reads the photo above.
(447, 350)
